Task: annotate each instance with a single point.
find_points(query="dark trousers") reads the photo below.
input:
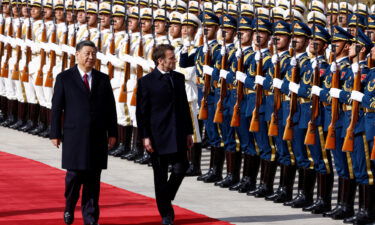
(90, 182)
(166, 188)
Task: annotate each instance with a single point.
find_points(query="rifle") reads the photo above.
(139, 72)
(64, 57)
(201, 38)
(2, 31)
(123, 91)
(73, 41)
(112, 46)
(86, 20)
(331, 134)
(311, 128)
(288, 132)
(25, 71)
(291, 14)
(98, 62)
(348, 145)
(52, 54)
(8, 47)
(203, 111)
(218, 118)
(16, 68)
(254, 124)
(166, 21)
(39, 77)
(273, 129)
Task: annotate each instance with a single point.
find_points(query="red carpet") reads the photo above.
(31, 193)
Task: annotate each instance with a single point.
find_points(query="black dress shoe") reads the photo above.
(167, 220)
(68, 218)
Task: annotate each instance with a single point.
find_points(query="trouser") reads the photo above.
(166, 188)
(322, 158)
(90, 182)
(122, 110)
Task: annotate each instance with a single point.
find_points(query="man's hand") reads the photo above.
(189, 141)
(147, 144)
(111, 142)
(56, 142)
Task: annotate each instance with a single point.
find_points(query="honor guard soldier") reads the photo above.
(345, 9)
(332, 14)
(81, 25)
(356, 21)
(175, 32)
(104, 34)
(161, 24)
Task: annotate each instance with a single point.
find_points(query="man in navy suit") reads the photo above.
(83, 97)
(163, 118)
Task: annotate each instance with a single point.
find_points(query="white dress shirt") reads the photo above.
(89, 75)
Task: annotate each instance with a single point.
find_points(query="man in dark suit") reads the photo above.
(163, 118)
(83, 98)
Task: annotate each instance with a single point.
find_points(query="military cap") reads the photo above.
(118, 10)
(80, 5)
(179, 5)
(118, 2)
(371, 22)
(228, 21)
(8, 1)
(92, 7)
(284, 4)
(257, 3)
(25, 2)
(18, 2)
(319, 18)
(333, 8)
(143, 2)
(209, 18)
(262, 25)
(69, 6)
(190, 19)
(165, 5)
(301, 29)
(247, 10)
(363, 39)
(146, 14)
(232, 9)
(220, 7)
(345, 8)
(175, 17)
(59, 4)
(130, 3)
(317, 5)
(361, 9)
(193, 6)
(353, 18)
(270, 3)
(282, 27)
(320, 33)
(299, 6)
(34, 3)
(245, 23)
(297, 15)
(133, 12)
(208, 7)
(105, 8)
(372, 9)
(263, 13)
(277, 13)
(339, 34)
(161, 14)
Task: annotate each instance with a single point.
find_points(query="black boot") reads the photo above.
(262, 174)
(210, 169)
(12, 114)
(121, 147)
(146, 159)
(339, 199)
(21, 117)
(45, 133)
(41, 126)
(3, 108)
(308, 189)
(217, 169)
(323, 202)
(249, 179)
(245, 174)
(127, 141)
(269, 177)
(278, 192)
(195, 161)
(346, 208)
(137, 149)
(32, 118)
(299, 195)
(233, 170)
(286, 192)
(366, 212)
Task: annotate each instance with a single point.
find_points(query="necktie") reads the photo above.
(85, 80)
(169, 77)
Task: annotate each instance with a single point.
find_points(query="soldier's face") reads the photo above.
(229, 34)
(334, 19)
(352, 30)
(211, 32)
(320, 46)
(373, 53)
(86, 57)
(69, 16)
(169, 62)
(160, 26)
(133, 24)
(175, 30)
(342, 20)
(282, 42)
(246, 37)
(47, 13)
(188, 31)
(15, 10)
(371, 34)
(105, 20)
(35, 12)
(92, 18)
(146, 26)
(25, 12)
(6, 8)
(352, 50)
(59, 14)
(118, 22)
(263, 38)
(81, 17)
(301, 43)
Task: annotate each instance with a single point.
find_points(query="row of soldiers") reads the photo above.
(269, 84)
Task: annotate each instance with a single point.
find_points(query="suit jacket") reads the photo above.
(89, 119)
(163, 112)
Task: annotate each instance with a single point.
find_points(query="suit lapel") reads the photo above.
(94, 81)
(78, 80)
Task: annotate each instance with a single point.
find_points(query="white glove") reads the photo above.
(223, 51)
(274, 58)
(293, 87)
(205, 49)
(355, 68)
(334, 92)
(277, 83)
(240, 76)
(293, 61)
(208, 70)
(13, 42)
(126, 38)
(238, 53)
(224, 74)
(357, 96)
(333, 67)
(257, 56)
(187, 43)
(315, 90)
(314, 63)
(259, 79)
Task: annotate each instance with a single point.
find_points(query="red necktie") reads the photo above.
(85, 80)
